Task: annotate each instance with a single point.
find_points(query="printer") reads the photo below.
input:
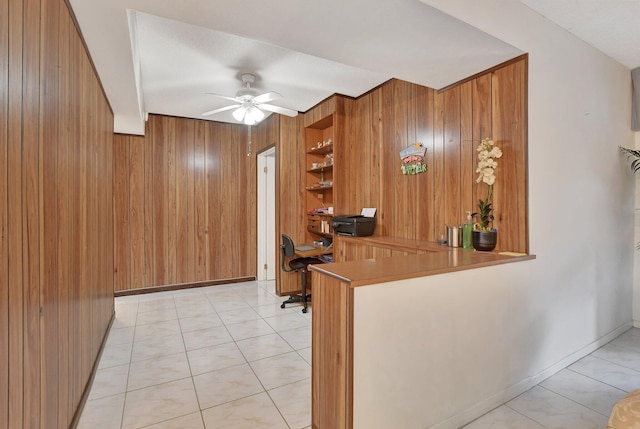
(360, 225)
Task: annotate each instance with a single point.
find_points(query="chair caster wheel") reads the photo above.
(304, 310)
(281, 305)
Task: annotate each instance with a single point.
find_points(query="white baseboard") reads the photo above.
(543, 375)
(484, 406)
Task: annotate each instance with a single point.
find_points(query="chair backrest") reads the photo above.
(287, 246)
(287, 251)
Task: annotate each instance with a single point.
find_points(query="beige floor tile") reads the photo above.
(263, 347)
(158, 370)
(255, 412)
(102, 413)
(160, 328)
(155, 316)
(285, 322)
(213, 358)
(298, 338)
(239, 315)
(504, 418)
(294, 402)
(157, 347)
(115, 355)
(190, 421)
(206, 337)
(159, 403)
(109, 381)
(226, 385)
(200, 321)
(279, 370)
(249, 329)
(120, 336)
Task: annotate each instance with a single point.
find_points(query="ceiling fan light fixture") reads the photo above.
(256, 115)
(250, 106)
(240, 113)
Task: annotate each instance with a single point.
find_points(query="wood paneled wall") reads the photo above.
(290, 194)
(56, 244)
(185, 202)
(450, 123)
(185, 193)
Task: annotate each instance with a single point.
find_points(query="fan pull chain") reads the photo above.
(249, 153)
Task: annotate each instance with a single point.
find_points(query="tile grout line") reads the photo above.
(572, 400)
(524, 415)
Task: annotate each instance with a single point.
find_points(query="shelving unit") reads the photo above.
(319, 140)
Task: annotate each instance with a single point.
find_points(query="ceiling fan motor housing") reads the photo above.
(246, 93)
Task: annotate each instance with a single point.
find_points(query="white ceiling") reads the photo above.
(164, 56)
(612, 26)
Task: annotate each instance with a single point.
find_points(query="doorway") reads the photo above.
(266, 174)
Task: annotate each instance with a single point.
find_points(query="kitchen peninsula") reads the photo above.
(384, 330)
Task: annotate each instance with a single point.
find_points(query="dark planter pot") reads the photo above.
(484, 240)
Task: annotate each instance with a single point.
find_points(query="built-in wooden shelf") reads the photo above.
(318, 188)
(321, 169)
(322, 150)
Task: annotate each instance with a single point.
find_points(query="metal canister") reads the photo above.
(454, 236)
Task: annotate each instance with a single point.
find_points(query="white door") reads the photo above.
(267, 215)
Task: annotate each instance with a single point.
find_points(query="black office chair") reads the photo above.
(297, 264)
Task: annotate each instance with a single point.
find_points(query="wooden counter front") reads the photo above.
(332, 318)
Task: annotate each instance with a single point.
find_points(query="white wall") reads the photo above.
(581, 193)
(440, 351)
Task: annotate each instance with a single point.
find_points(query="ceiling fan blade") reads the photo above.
(224, 97)
(267, 97)
(278, 109)
(222, 109)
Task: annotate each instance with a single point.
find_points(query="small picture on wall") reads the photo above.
(413, 161)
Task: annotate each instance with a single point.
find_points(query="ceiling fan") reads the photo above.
(249, 105)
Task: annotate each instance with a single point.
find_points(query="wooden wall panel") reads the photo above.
(450, 124)
(290, 209)
(426, 227)
(468, 155)
(481, 125)
(135, 206)
(183, 206)
(30, 212)
(160, 209)
(200, 204)
(509, 132)
(64, 404)
(194, 185)
(385, 223)
(14, 211)
(214, 203)
(453, 210)
(4, 215)
(56, 255)
(49, 207)
(121, 156)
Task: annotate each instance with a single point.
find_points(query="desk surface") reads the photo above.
(316, 251)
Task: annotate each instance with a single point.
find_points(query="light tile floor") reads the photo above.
(228, 357)
(223, 357)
